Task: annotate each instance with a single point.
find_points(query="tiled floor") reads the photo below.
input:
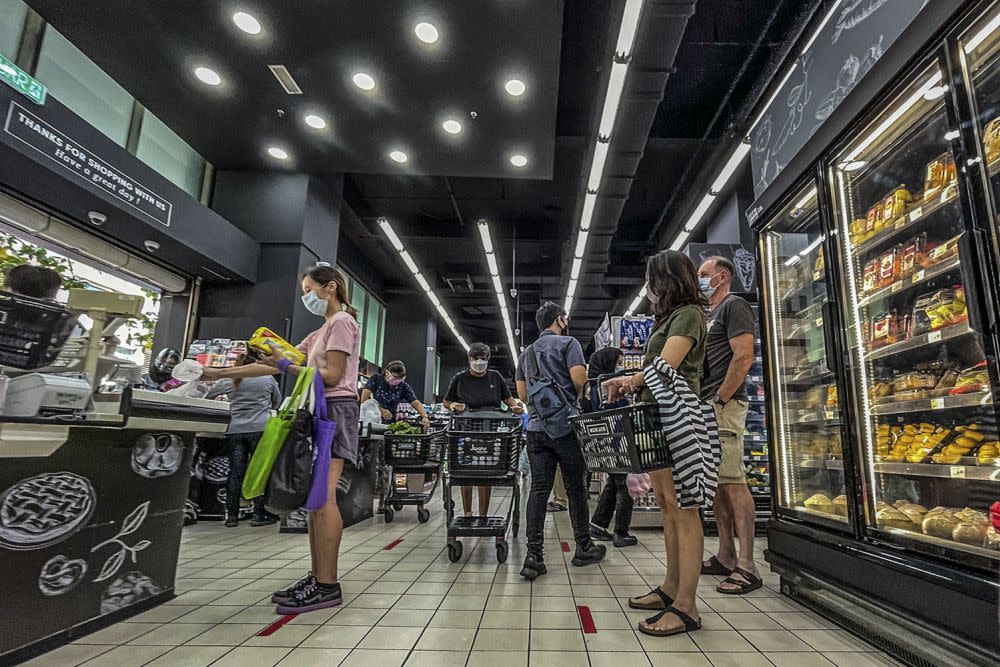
(410, 605)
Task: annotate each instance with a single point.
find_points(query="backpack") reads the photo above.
(551, 402)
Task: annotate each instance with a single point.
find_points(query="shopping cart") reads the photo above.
(413, 454)
(482, 450)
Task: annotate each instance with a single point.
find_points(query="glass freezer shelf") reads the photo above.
(923, 340)
(827, 464)
(976, 472)
(809, 375)
(947, 544)
(821, 417)
(942, 403)
(909, 219)
(916, 280)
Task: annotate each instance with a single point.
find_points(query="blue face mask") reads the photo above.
(314, 303)
(705, 285)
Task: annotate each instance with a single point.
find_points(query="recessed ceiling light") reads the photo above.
(426, 32)
(312, 120)
(515, 87)
(518, 160)
(363, 81)
(452, 126)
(209, 76)
(398, 156)
(278, 153)
(246, 23)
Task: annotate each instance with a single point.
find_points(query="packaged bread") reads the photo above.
(914, 515)
(819, 503)
(939, 524)
(971, 533)
(895, 203)
(840, 505)
(890, 517)
(989, 454)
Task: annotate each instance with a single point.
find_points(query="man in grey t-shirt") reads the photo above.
(729, 350)
(559, 358)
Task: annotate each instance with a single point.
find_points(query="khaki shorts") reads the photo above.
(732, 418)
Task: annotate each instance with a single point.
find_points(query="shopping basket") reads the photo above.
(483, 447)
(414, 449)
(623, 440)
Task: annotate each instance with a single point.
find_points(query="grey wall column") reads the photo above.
(296, 219)
(411, 337)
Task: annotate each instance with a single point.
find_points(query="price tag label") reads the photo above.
(916, 213)
(917, 277)
(896, 287)
(937, 404)
(819, 321)
(958, 471)
(945, 198)
(938, 251)
(899, 224)
(830, 415)
(933, 336)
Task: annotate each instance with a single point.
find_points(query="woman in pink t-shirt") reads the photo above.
(333, 350)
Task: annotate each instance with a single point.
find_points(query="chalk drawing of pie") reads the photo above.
(45, 509)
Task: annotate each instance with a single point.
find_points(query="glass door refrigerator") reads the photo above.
(887, 459)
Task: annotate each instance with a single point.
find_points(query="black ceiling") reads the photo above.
(152, 48)
(696, 66)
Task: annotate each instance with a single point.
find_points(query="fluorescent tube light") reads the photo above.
(981, 36)
(734, 162)
(491, 261)
(616, 86)
(575, 271)
(410, 264)
(391, 234)
(597, 166)
(587, 214)
(581, 244)
(629, 27)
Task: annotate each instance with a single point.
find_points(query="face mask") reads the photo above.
(705, 285)
(619, 368)
(565, 327)
(314, 303)
(651, 295)
(394, 381)
(479, 365)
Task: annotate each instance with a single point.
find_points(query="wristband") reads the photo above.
(283, 365)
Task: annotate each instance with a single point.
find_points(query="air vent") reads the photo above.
(459, 284)
(283, 76)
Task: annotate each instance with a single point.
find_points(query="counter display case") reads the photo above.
(806, 424)
(929, 442)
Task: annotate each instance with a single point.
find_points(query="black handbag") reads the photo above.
(291, 476)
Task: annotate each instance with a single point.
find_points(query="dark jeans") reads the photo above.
(614, 499)
(544, 454)
(240, 447)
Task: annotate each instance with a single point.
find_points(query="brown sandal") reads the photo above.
(752, 583)
(690, 625)
(665, 600)
(715, 567)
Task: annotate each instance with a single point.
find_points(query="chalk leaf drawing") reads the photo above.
(852, 71)
(127, 590)
(131, 524)
(45, 509)
(61, 574)
(157, 454)
(854, 13)
(769, 144)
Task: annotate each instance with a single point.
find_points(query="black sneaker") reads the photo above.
(534, 567)
(599, 533)
(312, 597)
(232, 522)
(620, 540)
(265, 520)
(589, 553)
(286, 594)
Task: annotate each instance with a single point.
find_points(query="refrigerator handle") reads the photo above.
(829, 339)
(980, 253)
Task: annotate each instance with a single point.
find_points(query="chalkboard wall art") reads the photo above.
(858, 33)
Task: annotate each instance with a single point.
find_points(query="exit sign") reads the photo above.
(19, 80)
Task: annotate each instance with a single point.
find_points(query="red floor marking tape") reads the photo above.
(392, 544)
(586, 620)
(565, 547)
(274, 627)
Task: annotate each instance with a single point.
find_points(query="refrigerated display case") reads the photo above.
(808, 469)
(905, 207)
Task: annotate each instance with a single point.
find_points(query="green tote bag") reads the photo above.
(275, 432)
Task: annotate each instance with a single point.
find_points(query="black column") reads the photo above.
(411, 337)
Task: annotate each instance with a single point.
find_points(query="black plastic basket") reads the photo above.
(483, 454)
(491, 422)
(623, 440)
(415, 449)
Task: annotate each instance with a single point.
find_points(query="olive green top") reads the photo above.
(685, 321)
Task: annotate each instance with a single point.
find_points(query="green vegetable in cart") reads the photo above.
(402, 428)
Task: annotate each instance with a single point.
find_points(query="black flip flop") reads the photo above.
(715, 567)
(690, 625)
(755, 582)
(666, 599)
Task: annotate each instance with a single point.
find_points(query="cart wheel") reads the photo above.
(502, 550)
(454, 551)
(397, 506)
(423, 516)
(388, 515)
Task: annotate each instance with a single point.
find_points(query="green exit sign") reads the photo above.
(19, 80)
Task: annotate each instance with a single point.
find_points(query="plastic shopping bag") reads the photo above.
(275, 433)
(323, 432)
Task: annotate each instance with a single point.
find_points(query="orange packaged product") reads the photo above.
(873, 220)
(940, 173)
(869, 280)
(884, 330)
(895, 204)
(887, 267)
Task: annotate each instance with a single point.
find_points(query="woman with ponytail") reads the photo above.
(333, 350)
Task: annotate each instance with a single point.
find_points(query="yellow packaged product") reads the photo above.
(989, 454)
(263, 340)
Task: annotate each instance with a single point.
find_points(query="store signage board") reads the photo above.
(20, 81)
(84, 164)
(858, 33)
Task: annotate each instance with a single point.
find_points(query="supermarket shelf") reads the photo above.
(947, 544)
(909, 220)
(821, 417)
(916, 342)
(810, 375)
(916, 280)
(943, 403)
(828, 464)
(981, 473)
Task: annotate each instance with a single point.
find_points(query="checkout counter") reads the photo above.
(92, 485)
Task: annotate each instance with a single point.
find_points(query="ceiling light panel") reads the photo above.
(285, 78)
(398, 156)
(315, 122)
(518, 160)
(277, 153)
(208, 75)
(426, 32)
(451, 126)
(629, 27)
(616, 86)
(364, 81)
(515, 87)
(246, 23)
(390, 233)
(487, 239)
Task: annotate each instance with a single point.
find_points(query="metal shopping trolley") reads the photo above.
(482, 450)
(413, 454)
